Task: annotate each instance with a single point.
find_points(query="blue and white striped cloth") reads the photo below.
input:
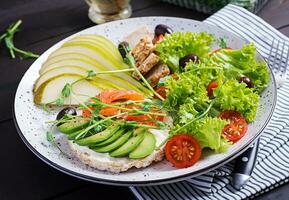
(272, 166)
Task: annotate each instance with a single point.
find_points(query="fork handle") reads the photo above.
(244, 166)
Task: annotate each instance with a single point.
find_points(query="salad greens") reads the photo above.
(180, 44)
(236, 96)
(187, 96)
(242, 62)
(207, 131)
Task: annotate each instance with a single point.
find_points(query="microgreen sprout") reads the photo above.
(223, 43)
(8, 38)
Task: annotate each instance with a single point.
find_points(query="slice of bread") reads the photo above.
(103, 161)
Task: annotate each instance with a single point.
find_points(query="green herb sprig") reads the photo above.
(8, 38)
(129, 110)
(67, 89)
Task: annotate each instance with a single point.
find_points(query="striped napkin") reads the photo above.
(272, 166)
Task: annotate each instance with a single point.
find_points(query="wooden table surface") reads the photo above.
(45, 22)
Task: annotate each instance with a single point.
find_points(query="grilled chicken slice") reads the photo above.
(142, 50)
(156, 73)
(147, 65)
(134, 37)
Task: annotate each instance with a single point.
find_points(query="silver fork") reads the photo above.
(278, 60)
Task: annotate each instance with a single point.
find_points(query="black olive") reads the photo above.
(65, 111)
(162, 29)
(124, 48)
(247, 80)
(190, 57)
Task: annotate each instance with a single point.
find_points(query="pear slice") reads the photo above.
(64, 60)
(73, 59)
(74, 62)
(105, 53)
(99, 56)
(97, 38)
(107, 79)
(95, 43)
(50, 90)
(75, 70)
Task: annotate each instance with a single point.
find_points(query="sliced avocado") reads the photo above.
(72, 136)
(129, 146)
(72, 126)
(98, 137)
(123, 139)
(146, 147)
(113, 138)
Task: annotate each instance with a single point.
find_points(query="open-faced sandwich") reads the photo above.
(167, 94)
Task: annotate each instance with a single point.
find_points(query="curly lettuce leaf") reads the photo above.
(208, 132)
(233, 95)
(180, 44)
(187, 86)
(243, 62)
(187, 96)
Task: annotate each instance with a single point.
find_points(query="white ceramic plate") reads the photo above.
(30, 119)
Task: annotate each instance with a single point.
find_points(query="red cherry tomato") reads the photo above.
(183, 150)
(237, 127)
(213, 85)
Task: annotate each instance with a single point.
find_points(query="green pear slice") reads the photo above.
(50, 90)
(71, 60)
(57, 72)
(102, 58)
(97, 38)
(74, 62)
(124, 80)
(106, 53)
(106, 79)
(99, 45)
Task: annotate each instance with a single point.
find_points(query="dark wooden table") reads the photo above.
(22, 174)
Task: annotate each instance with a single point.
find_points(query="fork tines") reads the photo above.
(278, 60)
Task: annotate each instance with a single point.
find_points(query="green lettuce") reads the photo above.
(208, 132)
(188, 102)
(233, 95)
(237, 63)
(180, 44)
(188, 86)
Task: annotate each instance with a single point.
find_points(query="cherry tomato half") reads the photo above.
(237, 127)
(213, 85)
(183, 150)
